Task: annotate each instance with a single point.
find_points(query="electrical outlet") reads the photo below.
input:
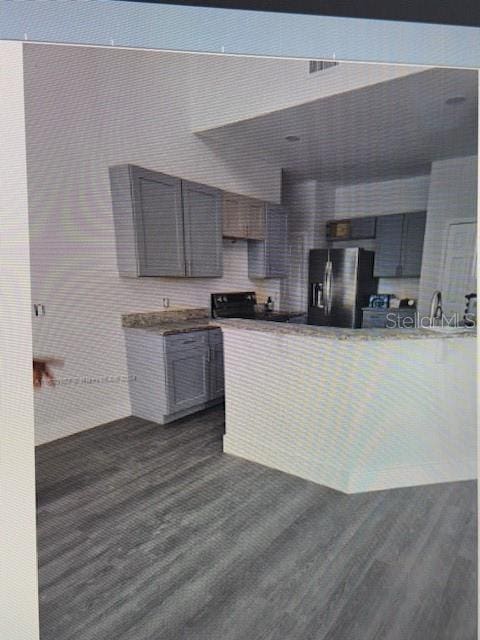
(39, 309)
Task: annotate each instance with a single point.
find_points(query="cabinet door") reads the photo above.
(373, 319)
(187, 378)
(159, 223)
(362, 228)
(203, 230)
(147, 212)
(388, 246)
(255, 219)
(276, 249)
(235, 216)
(269, 258)
(412, 243)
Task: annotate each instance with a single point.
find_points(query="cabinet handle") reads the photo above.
(209, 354)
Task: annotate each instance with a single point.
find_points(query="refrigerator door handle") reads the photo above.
(325, 289)
(328, 287)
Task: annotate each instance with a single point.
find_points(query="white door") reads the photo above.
(459, 268)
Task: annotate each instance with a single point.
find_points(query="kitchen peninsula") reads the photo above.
(356, 410)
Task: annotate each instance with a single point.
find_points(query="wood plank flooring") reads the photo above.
(151, 533)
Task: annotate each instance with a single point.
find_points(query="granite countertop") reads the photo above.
(336, 333)
(185, 326)
(183, 320)
(278, 314)
(170, 321)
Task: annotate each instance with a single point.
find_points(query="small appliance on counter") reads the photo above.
(407, 303)
(390, 301)
(380, 300)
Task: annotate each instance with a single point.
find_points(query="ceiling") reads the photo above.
(392, 129)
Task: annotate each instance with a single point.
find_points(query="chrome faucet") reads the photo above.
(436, 311)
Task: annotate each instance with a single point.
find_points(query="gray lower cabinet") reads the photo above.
(165, 226)
(268, 258)
(388, 318)
(399, 245)
(187, 378)
(298, 319)
(174, 375)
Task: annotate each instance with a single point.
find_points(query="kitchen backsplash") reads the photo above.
(400, 287)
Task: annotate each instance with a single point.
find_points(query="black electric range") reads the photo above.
(243, 304)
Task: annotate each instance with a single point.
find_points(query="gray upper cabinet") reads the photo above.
(203, 230)
(269, 258)
(147, 209)
(165, 226)
(399, 245)
(388, 246)
(412, 243)
(362, 228)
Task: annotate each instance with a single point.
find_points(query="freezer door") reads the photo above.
(317, 312)
(342, 287)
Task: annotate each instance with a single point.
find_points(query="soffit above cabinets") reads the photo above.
(392, 128)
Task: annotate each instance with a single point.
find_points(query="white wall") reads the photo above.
(351, 414)
(452, 195)
(86, 109)
(254, 86)
(18, 563)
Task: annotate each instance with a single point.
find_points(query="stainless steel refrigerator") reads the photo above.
(340, 283)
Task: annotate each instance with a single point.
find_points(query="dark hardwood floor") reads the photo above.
(151, 533)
